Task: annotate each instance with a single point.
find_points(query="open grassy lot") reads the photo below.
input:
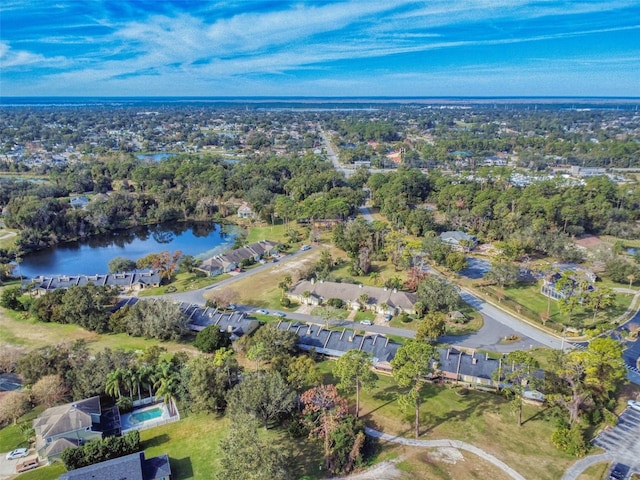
(21, 330)
(529, 296)
(482, 419)
(261, 289)
(192, 446)
(274, 233)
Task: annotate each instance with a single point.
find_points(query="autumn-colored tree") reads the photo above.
(166, 263)
(323, 409)
(49, 391)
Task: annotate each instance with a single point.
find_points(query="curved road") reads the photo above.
(446, 443)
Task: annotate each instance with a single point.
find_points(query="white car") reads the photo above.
(278, 314)
(17, 453)
(365, 322)
(635, 404)
(262, 311)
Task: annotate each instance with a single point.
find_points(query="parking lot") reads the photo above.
(622, 441)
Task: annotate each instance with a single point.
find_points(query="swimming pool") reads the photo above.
(144, 415)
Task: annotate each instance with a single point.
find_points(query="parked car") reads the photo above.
(232, 307)
(635, 404)
(262, 311)
(366, 322)
(619, 472)
(27, 465)
(17, 453)
(388, 317)
(278, 314)
(304, 248)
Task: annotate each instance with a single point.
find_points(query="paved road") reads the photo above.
(446, 443)
(506, 320)
(620, 443)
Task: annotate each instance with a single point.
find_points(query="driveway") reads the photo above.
(8, 467)
(620, 443)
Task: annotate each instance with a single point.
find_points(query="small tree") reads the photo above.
(49, 391)
(431, 327)
(354, 371)
(518, 373)
(12, 406)
(211, 339)
(121, 264)
(411, 365)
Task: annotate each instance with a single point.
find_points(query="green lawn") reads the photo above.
(275, 233)
(20, 329)
(183, 282)
(50, 472)
(482, 419)
(529, 296)
(191, 444)
(364, 316)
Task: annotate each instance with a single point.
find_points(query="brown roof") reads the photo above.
(351, 292)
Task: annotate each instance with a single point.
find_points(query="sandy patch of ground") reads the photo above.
(447, 455)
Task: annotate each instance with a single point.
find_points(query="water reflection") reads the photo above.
(92, 256)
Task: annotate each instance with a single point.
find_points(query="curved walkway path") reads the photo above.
(446, 443)
(581, 465)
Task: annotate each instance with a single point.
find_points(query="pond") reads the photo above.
(92, 256)
(155, 157)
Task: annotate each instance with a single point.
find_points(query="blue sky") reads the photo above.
(320, 48)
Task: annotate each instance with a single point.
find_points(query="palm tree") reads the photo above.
(114, 381)
(375, 277)
(167, 385)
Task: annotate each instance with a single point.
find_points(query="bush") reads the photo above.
(97, 451)
(335, 302)
(211, 339)
(170, 289)
(285, 302)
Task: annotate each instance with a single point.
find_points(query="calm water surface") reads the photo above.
(92, 256)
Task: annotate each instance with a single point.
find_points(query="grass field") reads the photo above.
(482, 419)
(261, 289)
(21, 330)
(183, 282)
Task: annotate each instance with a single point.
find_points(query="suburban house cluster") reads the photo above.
(127, 282)
(229, 261)
(477, 370)
(357, 297)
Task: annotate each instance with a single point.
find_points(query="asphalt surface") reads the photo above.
(620, 443)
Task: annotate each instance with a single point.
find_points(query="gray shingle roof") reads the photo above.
(67, 418)
(129, 467)
(336, 343)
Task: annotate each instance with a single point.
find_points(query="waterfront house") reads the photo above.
(127, 282)
(245, 211)
(229, 261)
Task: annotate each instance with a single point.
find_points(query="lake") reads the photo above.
(92, 256)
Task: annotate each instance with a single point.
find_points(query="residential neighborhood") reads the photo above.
(183, 315)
